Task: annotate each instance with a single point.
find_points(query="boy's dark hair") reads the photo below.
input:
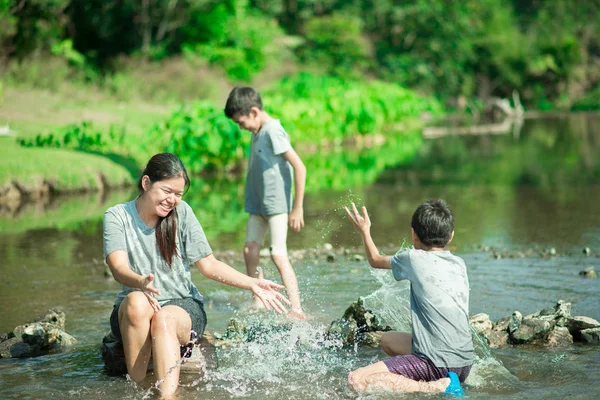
(241, 100)
(433, 223)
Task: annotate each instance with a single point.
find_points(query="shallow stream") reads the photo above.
(527, 194)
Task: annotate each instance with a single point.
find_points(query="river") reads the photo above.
(535, 193)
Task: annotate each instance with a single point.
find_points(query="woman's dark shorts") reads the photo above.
(193, 307)
(422, 369)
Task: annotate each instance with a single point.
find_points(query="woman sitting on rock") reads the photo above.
(149, 244)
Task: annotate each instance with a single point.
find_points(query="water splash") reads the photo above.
(286, 357)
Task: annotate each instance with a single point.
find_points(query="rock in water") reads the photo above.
(202, 357)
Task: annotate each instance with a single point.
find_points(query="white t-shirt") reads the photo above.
(439, 302)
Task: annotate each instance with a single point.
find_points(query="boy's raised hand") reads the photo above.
(361, 222)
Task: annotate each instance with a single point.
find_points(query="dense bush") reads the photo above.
(202, 136)
(316, 108)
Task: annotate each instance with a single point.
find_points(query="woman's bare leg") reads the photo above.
(135, 314)
(170, 328)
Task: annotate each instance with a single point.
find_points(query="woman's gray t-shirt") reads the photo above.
(439, 302)
(269, 178)
(125, 230)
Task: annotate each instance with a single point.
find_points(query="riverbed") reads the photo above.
(525, 210)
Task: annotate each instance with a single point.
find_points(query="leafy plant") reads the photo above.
(203, 137)
(81, 137)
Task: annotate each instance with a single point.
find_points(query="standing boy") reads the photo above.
(269, 188)
(438, 355)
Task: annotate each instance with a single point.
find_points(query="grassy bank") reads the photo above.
(76, 132)
(65, 170)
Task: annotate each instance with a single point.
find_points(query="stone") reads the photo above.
(559, 337)
(497, 338)
(202, 357)
(591, 335)
(530, 330)
(16, 348)
(502, 324)
(481, 323)
(371, 339)
(515, 321)
(355, 325)
(43, 336)
(328, 246)
(579, 323)
(589, 273)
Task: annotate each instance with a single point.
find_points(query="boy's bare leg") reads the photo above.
(396, 343)
(377, 377)
(288, 276)
(251, 257)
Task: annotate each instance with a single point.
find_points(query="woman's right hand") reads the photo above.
(149, 290)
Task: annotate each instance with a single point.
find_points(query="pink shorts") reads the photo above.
(421, 369)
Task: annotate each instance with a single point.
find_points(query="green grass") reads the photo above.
(66, 170)
(30, 111)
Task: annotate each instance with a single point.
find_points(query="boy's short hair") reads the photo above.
(433, 223)
(241, 100)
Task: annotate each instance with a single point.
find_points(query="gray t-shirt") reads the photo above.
(439, 302)
(125, 230)
(269, 179)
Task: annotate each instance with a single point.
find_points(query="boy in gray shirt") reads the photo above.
(438, 355)
(268, 197)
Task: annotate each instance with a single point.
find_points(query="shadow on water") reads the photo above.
(536, 191)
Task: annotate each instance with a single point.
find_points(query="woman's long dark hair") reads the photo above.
(160, 167)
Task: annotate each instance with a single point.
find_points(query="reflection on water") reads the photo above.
(537, 191)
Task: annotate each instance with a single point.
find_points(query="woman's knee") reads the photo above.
(135, 307)
(161, 322)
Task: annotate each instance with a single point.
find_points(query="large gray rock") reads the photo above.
(591, 335)
(357, 325)
(203, 356)
(531, 329)
(579, 323)
(482, 324)
(559, 337)
(43, 336)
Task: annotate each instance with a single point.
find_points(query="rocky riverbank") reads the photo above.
(551, 327)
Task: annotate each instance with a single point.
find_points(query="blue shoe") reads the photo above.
(454, 389)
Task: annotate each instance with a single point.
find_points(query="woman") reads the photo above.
(149, 244)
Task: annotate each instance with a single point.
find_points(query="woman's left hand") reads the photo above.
(267, 292)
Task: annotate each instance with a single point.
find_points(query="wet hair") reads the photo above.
(160, 167)
(433, 223)
(241, 100)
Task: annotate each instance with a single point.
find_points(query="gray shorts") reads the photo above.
(193, 307)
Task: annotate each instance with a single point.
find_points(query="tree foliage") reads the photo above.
(548, 50)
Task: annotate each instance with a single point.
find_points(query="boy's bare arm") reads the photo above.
(296, 219)
(363, 224)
